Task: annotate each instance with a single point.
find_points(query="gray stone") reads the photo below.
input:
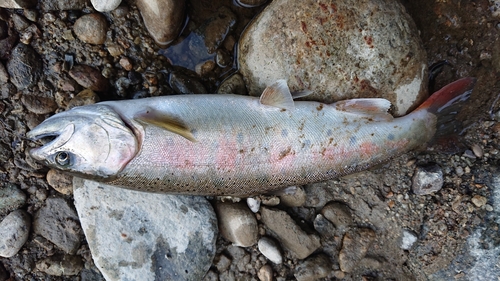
(338, 213)
(51, 5)
(164, 19)
(291, 236)
(61, 265)
(313, 268)
(355, 244)
(14, 231)
(58, 222)
(343, 50)
(427, 179)
(11, 198)
(105, 5)
(270, 250)
(4, 76)
(24, 66)
(293, 196)
(237, 223)
(17, 4)
(145, 236)
(91, 28)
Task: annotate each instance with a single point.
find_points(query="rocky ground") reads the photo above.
(374, 225)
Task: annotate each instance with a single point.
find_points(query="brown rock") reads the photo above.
(61, 182)
(89, 77)
(91, 28)
(84, 97)
(39, 104)
(237, 223)
(355, 244)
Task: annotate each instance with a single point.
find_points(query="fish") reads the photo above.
(235, 145)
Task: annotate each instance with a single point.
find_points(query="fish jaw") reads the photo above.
(89, 141)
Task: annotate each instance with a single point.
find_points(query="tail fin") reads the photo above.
(446, 103)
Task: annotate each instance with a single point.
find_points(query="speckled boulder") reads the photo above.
(337, 49)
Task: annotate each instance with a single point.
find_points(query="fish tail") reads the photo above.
(446, 103)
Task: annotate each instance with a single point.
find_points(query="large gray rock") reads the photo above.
(146, 236)
(24, 66)
(337, 49)
(14, 231)
(11, 198)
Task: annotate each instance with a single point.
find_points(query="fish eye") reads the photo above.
(63, 158)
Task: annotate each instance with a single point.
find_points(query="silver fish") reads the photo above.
(235, 145)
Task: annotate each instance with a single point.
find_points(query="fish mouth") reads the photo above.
(54, 131)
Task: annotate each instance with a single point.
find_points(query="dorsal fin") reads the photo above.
(373, 107)
(278, 95)
(158, 119)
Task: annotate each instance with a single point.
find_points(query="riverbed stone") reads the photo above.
(14, 231)
(146, 236)
(24, 66)
(237, 223)
(338, 50)
(91, 28)
(105, 5)
(11, 198)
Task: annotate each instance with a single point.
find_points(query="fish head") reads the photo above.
(90, 141)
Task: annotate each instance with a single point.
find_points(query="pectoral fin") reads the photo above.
(152, 117)
(278, 95)
(371, 107)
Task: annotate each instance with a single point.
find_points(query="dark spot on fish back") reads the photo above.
(390, 137)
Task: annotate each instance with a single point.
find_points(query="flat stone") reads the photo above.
(293, 196)
(340, 50)
(61, 265)
(338, 213)
(11, 198)
(355, 244)
(60, 181)
(291, 236)
(146, 236)
(270, 250)
(89, 77)
(51, 5)
(17, 4)
(237, 223)
(164, 19)
(24, 66)
(58, 222)
(39, 104)
(14, 231)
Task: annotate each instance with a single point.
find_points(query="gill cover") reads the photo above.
(91, 141)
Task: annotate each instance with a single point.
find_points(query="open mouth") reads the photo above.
(49, 135)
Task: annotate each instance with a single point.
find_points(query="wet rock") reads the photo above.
(222, 58)
(14, 231)
(89, 77)
(215, 29)
(270, 250)
(11, 198)
(6, 46)
(338, 213)
(205, 68)
(233, 85)
(58, 223)
(355, 244)
(427, 179)
(237, 223)
(291, 236)
(61, 265)
(313, 268)
(61, 182)
(164, 19)
(91, 28)
(39, 104)
(293, 196)
(105, 5)
(50, 5)
(24, 66)
(17, 4)
(251, 3)
(409, 238)
(265, 273)
(145, 236)
(347, 49)
(84, 97)
(183, 84)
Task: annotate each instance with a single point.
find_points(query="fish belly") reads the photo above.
(244, 148)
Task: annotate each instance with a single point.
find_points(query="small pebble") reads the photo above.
(293, 196)
(253, 203)
(427, 179)
(479, 200)
(270, 249)
(338, 213)
(265, 273)
(61, 265)
(313, 268)
(237, 223)
(89, 77)
(270, 200)
(408, 239)
(91, 28)
(14, 231)
(61, 182)
(222, 263)
(478, 151)
(126, 64)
